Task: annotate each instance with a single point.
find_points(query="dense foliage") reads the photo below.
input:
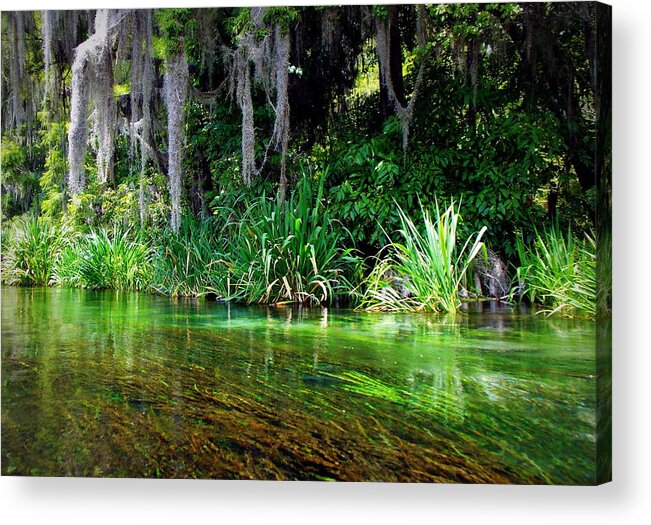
(31, 249)
(559, 272)
(424, 271)
(168, 149)
(103, 259)
(188, 263)
(289, 252)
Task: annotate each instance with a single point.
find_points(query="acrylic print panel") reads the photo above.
(352, 243)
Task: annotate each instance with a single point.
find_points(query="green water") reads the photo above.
(118, 384)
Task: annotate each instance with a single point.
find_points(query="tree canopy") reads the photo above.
(143, 116)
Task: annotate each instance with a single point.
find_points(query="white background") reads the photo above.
(626, 500)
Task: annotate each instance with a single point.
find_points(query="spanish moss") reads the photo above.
(147, 82)
(16, 37)
(268, 56)
(92, 80)
(245, 103)
(175, 92)
(48, 22)
(280, 136)
(105, 112)
(78, 133)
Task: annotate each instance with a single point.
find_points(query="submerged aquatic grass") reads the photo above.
(438, 402)
(426, 270)
(558, 272)
(440, 405)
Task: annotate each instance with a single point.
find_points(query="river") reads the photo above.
(134, 385)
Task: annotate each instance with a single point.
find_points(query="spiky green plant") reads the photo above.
(425, 271)
(189, 263)
(289, 252)
(558, 273)
(604, 272)
(32, 248)
(119, 259)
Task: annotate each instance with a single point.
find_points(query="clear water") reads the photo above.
(132, 385)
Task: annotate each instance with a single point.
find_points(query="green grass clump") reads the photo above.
(288, 252)
(188, 263)
(425, 271)
(558, 273)
(117, 259)
(31, 250)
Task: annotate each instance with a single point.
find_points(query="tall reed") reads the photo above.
(118, 259)
(289, 252)
(558, 272)
(32, 248)
(189, 263)
(425, 271)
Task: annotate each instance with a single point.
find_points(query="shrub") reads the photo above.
(559, 273)
(33, 245)
(188, 263)
(106, 260)
(426, 270)
(289, 252)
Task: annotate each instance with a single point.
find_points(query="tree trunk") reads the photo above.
(472, 66)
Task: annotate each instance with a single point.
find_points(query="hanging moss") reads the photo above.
(105, 114)
(78, 133)
(245, 103)
(249, 51)
(15, 113)
(147, 82)
(264, 46)
(48, 22)
(142, 83)
(92, 74)
(59, 39)
(175, 92)
(135, 74)
(280, 137)
(70, 22)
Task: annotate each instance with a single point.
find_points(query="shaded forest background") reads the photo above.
(160, 119)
